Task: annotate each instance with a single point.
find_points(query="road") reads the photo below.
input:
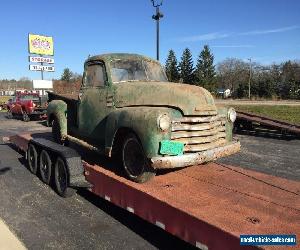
(43, 220)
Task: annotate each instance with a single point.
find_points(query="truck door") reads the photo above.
(93, 109)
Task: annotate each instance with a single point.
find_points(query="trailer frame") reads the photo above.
(209, 206)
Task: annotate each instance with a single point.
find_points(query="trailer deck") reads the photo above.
(208, 206)
(250, 118)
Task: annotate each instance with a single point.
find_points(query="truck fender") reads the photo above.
(57, 109)
(141, 121)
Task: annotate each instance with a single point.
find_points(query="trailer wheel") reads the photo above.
(135, 163)
(25, 117)
(32, 158)
(45, 167)
(61, 179)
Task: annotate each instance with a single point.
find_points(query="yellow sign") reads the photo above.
(41, 45)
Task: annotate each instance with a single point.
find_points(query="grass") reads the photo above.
(4, 99)
(286, 113)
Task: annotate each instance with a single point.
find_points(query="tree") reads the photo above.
(290, 80)
(233, 73)
(205, 70)
(67, 75)
(186, 67)
(172, 67)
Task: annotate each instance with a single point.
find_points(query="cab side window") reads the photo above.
(94, 76)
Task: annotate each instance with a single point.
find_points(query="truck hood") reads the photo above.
(190, 99)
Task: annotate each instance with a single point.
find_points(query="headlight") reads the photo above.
(163, 122)
(231, 115)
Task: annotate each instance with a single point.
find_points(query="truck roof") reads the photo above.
(111, 56)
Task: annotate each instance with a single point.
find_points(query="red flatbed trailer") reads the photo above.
(209, 206)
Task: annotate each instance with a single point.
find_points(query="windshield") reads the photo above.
(136, 70)
(29, 97)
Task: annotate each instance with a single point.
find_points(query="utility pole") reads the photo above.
(156, 17)
(250, 75)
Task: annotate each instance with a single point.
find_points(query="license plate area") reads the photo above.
(171, 147)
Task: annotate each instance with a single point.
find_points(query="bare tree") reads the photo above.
(232, 73)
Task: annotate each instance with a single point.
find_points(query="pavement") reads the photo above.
(40, 219)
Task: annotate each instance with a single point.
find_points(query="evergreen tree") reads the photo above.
(186, 67)
(171, 67)
(205, 70)
(66, 75)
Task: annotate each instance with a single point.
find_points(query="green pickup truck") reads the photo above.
(127, 109)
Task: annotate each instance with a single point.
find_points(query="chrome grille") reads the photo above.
(199, 133)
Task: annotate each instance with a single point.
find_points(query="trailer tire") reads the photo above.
(32, 158)
(134, 161)
(45, 167)
(61, 178)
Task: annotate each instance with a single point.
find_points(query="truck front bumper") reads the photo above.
(39, 111)
(196, 158)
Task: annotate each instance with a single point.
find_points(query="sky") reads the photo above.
(266, 31)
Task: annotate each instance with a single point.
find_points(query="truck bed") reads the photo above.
(65, 97)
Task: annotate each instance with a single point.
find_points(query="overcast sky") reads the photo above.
(265, 30)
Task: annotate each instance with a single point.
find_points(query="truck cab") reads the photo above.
(127, 108)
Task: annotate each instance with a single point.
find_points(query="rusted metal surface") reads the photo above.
(201, 139)
(204, 146)
(208, 206)
(266, 121)
(21, 141)
(184, 134)
(193, 119)
(200, 133)
(84, 144)
(133, 96)
(196, 158)
(197, 127)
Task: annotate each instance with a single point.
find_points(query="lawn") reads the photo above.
(4, 99)
(286, 113)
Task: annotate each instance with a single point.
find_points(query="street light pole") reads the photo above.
(157, 17)
(250, 75)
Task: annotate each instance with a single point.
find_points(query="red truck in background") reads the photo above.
(27, 104)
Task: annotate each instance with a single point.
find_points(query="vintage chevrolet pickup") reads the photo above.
(126, 108)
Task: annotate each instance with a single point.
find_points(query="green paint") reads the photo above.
(115, 108)
(171, 147)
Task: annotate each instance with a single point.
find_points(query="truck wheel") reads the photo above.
(32, 159)
(57, 136)
(9, 114)
(61, 179)
(135, 163)
(45, 167)
(25, 117)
